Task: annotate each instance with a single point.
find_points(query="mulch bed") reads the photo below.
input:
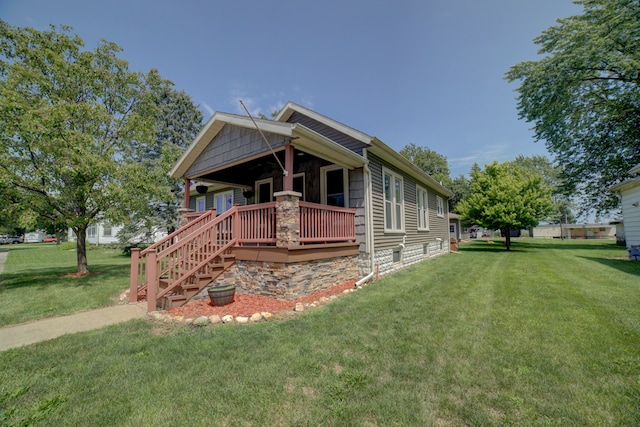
(246, 304)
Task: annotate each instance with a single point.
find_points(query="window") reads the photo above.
(264, 190)
(298, 184)
(452, 228)
(334, 186)
(106, 230)
(423, 208)
(201, 203)
(92, 231)
(393, 201)
(440, 206)
(223, 201)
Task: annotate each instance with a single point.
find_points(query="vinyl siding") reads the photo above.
(328, 132)
(231, 145)
(631, 215)
(438, 226)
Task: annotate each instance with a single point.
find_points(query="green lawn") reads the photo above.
(548, 334)
(35, 284)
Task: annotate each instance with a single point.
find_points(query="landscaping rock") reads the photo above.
(201, 321)
(215, 319)
(227, 319)
(266, 315)
(299, 307)
(256, 317)
(242, 319)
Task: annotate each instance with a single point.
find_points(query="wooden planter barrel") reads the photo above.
(221, 295)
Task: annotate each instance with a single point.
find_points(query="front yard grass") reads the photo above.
(36, 282)
(546, 334)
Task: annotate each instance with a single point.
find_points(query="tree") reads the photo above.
(460, 186)
(506, 197)
(178, 120)
(552, 177)
(72, 125)
(429, 161)
(583, 97)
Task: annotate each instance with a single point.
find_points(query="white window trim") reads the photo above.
(304, 183)
(264, 181)
(440, 206)
(426, 207)
(218, 194)
(323, 183)
(201, 198)
(396, 176)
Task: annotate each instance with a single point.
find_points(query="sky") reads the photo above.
(428, 72)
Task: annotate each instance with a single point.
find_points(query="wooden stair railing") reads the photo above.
(176, 268)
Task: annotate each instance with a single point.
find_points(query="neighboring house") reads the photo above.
(101, 233)
(321, 203)
(629, 191)
(456, 229)
(574, 231)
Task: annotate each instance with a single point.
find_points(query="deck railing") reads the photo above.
(325, 224)
(190, 249)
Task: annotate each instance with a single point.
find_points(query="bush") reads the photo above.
(66, 246)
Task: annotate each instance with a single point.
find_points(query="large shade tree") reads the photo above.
(72, 125)
(178, 121)
(506, 197)
(583, 96)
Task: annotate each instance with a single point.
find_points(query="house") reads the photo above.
(629, 191)
(574, 231)
(288, 206)
(100, 233)
(456, 229)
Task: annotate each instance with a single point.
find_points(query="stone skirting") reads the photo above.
(408, 255)
(289, 280)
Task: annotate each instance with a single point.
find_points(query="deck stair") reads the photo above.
(182, 293)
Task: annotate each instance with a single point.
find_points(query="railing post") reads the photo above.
(133, 276)
(152, 280)
(287, 219)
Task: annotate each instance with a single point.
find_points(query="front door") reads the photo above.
(264, 190)
(334, 186)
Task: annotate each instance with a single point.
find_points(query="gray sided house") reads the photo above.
(321, 203)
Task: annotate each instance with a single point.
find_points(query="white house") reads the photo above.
(629, 191)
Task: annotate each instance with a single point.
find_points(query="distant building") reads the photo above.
(575, 231)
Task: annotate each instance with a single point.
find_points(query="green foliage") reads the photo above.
(506, 197)
(460, 186)
(429, 161)
(583, 97)
(73, 124)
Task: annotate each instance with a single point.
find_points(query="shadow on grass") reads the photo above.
(527, 244)
(54, 276)
(626, 266)
(492, 246)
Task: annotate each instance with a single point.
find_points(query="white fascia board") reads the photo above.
(387, 153)
(625, 185)
(635, 170)
(313, 143)
(288, 110)
(213, 127)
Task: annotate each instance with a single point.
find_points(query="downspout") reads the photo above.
(368, 213)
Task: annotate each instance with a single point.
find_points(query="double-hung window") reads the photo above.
(423, 208)
(393, 201)
(440, 206)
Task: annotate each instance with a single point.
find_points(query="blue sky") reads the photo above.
(428, 72)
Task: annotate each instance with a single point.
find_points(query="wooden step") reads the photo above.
(172, 301)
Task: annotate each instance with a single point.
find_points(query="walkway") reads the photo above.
(46, 329)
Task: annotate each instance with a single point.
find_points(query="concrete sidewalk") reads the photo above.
(46, 329)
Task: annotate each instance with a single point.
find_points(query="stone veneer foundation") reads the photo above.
(289, 280)
(408, 255)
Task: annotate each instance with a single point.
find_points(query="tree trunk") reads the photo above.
(81, 248)
(507, 236)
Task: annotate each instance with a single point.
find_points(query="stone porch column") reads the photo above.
(287, 219)
(182, 216)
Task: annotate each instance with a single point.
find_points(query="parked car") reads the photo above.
(50, 238)
(14, 239)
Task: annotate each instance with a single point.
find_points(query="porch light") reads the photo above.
(201, 189)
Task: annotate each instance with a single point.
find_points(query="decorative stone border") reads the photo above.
(215, 319)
